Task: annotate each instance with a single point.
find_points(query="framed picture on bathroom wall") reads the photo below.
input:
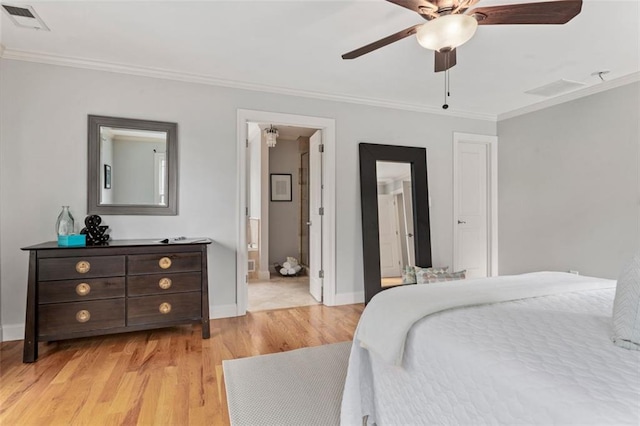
(281, 187)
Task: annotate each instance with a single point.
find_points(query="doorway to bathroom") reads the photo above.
(287, 210)
(279, 180)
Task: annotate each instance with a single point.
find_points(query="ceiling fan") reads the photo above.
(450, 23)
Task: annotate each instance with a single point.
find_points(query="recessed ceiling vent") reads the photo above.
(24, 16)
(555, 88)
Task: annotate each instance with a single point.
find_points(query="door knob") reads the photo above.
(409, 235)
(461, 222)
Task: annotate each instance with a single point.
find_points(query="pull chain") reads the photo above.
(447, 81)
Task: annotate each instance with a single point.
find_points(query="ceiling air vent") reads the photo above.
(24, 16)
(555, 88)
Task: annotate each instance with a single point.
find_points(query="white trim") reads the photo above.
(65, 61)
(222, 311)
(581, 93)
(492, 203)
(328, 127)
(349, 298)
(12, 332)
(74, 62)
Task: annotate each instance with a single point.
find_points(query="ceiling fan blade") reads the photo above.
(381, 43)
(421, 7)
(549, 12)
(445, 60)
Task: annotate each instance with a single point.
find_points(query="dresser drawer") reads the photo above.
(141, 285)
(159, 263)
(163, 308)
(65, 268)
(78, 290)
(80, 316)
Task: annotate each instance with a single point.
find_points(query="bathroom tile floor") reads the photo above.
(279, 292)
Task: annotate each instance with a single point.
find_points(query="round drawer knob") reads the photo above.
(165, 308)
(83, 316)
(83, 289)
(164, 283)
(164, 263)
(83, 267)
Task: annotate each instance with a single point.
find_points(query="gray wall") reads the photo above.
(43, 147)
(2, 204)
(284, 217)
(569, 187)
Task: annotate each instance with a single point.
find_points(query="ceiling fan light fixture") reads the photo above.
(446, 32)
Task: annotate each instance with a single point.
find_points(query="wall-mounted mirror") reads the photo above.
(395, 213)
(133, 167)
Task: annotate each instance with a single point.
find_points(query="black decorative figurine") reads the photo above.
(96, 234)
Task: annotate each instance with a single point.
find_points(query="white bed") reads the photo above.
(531, 360)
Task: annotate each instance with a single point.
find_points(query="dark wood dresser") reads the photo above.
(127, 285)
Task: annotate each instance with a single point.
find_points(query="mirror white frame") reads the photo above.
(95, 167)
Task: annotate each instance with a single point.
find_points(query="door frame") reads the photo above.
(491, 142)
(328, 128)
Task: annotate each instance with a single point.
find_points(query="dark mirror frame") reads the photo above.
(417, 158)
(93, 169)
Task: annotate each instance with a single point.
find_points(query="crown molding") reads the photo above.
(45, 58)
(577, 94)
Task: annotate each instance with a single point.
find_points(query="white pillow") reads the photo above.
(626, 306)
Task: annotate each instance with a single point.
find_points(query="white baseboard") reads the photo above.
(349, 298)
(12, 332)
(223, 311)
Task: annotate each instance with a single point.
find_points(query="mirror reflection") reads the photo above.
(133, 167)
(395, 220)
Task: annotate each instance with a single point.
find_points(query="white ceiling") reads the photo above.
(295, 47)
(289, 133)
(387, 171)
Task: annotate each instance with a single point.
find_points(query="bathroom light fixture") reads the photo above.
(271, 134)
(447, 32)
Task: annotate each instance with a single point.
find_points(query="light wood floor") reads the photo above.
(160, 377)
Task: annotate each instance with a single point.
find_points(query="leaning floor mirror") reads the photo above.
(133, 166)
(395, 213)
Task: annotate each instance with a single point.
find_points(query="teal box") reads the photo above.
(73, 240)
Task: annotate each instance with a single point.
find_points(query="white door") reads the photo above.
(402, 226)
(408, 220)
(472, 219)
(315, 216)
(389, 247)
(159, 180)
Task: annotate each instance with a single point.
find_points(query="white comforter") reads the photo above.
(543, 360)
